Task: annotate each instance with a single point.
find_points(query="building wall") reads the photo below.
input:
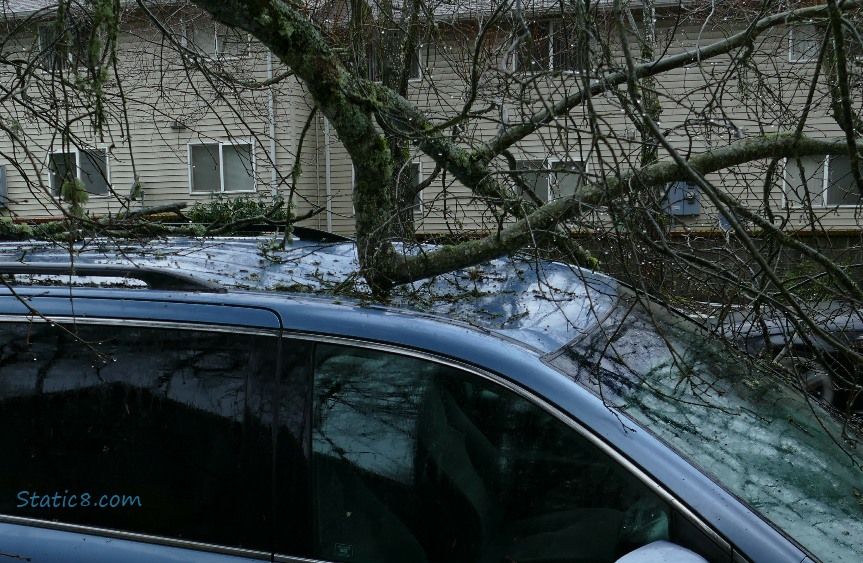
(168, 106)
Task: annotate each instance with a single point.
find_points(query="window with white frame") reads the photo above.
(820, 181)
(551, 179)
(552, 46)
(88, 165)
(804, 41)
(415, 169)
(221, 167)
(217, 41)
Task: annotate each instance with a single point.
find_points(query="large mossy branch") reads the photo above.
(348, 101)
(354, 106)
(539, 225)
(291, 35)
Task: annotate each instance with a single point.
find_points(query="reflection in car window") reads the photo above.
(764, 441)
(156, 431)
(455, 468)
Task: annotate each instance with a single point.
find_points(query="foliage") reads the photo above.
(14, 231)
(225, 210)
(73, 192)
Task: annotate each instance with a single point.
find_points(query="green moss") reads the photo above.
(286, 28)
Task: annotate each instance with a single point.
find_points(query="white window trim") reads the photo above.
(552, 160)
(546, 166)
(232, 57)
(222, 144)
(801, 59)
(55, 190)
(541, 167)
(72, 50)
(419, 210)
(217, 53)
(825, 184)
(420, 75)
(786, 186)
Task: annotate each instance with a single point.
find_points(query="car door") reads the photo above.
(426, 461)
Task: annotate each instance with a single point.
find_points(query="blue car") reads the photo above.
(182, 402)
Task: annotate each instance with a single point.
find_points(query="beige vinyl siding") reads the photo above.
(161, 91)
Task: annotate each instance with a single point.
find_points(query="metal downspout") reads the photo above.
(271, 115)
(328, 175)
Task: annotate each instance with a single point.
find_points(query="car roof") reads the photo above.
(538, 303)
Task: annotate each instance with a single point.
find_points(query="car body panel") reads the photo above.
(39, 543)
(306, 317)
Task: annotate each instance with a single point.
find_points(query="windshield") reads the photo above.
(763, 440)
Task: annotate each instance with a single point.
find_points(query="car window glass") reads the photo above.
(149, 430)
(416, 461)
(764, 441)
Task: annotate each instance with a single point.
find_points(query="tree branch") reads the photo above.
(539, 225)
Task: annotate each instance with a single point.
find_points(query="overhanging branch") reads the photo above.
(539, 225)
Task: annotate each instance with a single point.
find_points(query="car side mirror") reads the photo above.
(662, 552)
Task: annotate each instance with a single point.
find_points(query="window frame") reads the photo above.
(77, 152)
(552, 25)
(546, 167)
(556, 160)
(138, 538)
(222, 144)
(75, 56)
(811, 34)
(49, 52)
(221, 54)
(418, 205)
(214, 31)
(822, 194)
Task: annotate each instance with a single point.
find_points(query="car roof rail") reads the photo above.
(170, 280)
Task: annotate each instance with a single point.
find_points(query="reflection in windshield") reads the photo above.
(764, 441)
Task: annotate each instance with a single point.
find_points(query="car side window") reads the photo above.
(149, 430)
(417, 461)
